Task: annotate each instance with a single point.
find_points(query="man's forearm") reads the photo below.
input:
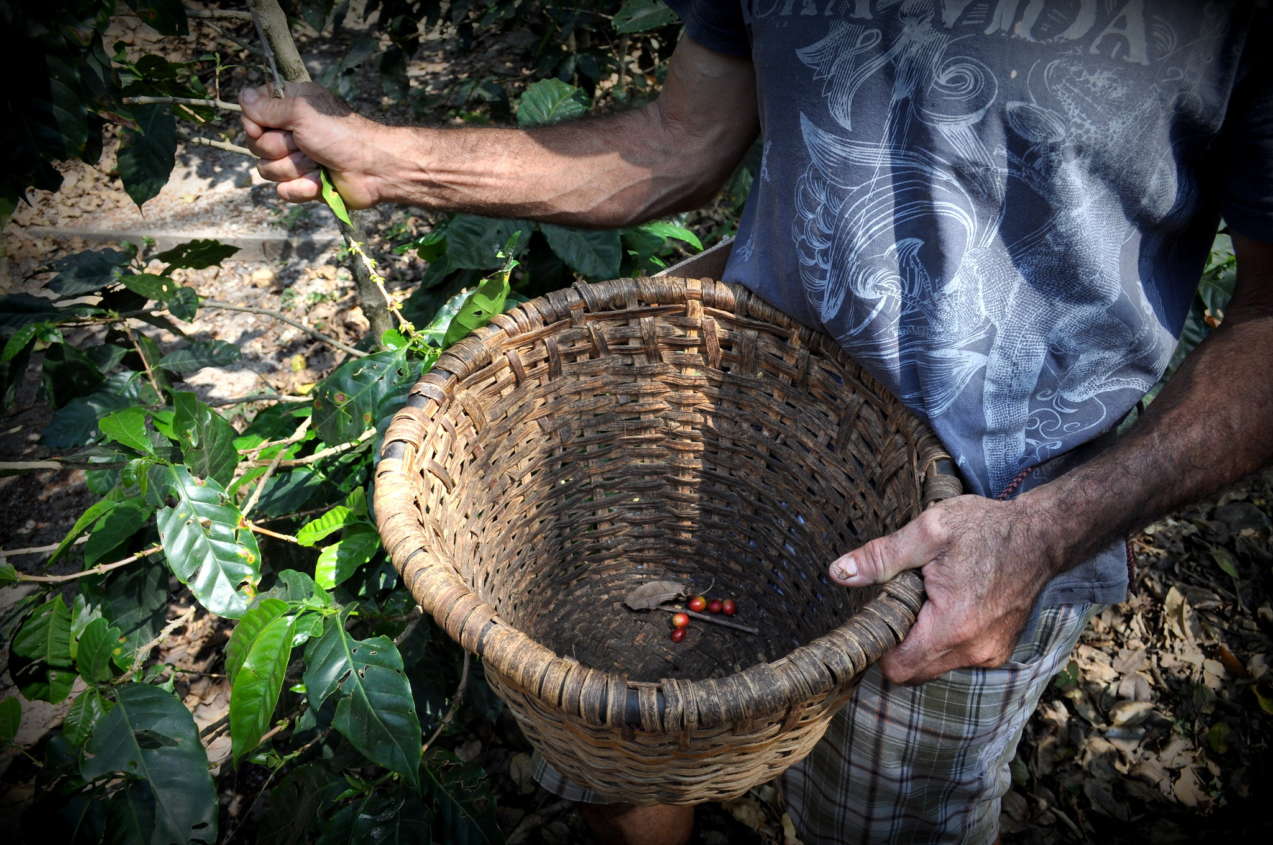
(1211, 425)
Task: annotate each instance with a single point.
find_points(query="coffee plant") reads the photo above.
(339, 689)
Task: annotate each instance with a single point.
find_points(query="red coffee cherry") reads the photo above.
(715, 606)
(728, 607)
(678, 634)
(697, 604)
(680, 620)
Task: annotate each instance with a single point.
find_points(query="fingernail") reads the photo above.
(845, 569)
(250, 95)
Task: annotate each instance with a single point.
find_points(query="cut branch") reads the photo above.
(221, 145)
(314, 333)
(183, 101)
(100, 569)
(319, 455)
(257, 397)
(715, 620)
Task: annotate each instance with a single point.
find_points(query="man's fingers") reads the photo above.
(285, 169)
(307, 188)
(273, 144)
(262, 109)
(911, 547)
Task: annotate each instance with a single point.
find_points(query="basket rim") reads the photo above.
(817, 668)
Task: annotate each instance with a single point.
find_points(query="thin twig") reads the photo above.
(252, 526)
(221, 145)
(224, 105)
(455, 704)
(150, 374)
(295, 437)
(715, 620)
(144, 651)
(319, 455)
(260, 487)
(314, 333)
(94, 570)
(59, 464)
(219, 13)
(215, 727)
(257, 397)
(38, 550)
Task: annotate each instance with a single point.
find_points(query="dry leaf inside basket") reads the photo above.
(651, 595)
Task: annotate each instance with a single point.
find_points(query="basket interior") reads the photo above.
(740, 468)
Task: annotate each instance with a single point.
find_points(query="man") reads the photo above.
(1001, 209)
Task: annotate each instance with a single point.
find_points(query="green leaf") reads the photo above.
(95, 512)
(122, 522)
(22, 338)
(184, 303)
(333, 198)
(20, 309)
(465, 805)
(592, 253)
(206, 438)
(317, 529)
(46, 634)
(374, 707)
(87, 272)
(1225, 561)
(127, 426)
(478, 308)
(10, 718)
(197, 254)
(87, 708)
(287, 492)
(340, 560)
(134, 599)
(247, 629)
(200, 354)
(96, 647)
(8, 574)
(642, 16)
(205, 546)
(76, 423)
(476, 242)
(665, 230)
(149, 736)
(550, 101)
(151, 286)
(258, 682)
(146, 157)
(359, 392)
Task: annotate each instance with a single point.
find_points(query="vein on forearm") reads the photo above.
(1209, 427)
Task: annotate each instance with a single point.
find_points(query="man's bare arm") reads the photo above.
(670, 155)
(985, 561)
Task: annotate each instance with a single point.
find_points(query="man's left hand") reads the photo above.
(984, 562)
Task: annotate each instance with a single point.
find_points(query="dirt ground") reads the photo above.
(1159, 729)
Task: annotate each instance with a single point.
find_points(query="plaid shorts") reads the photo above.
(925, 763)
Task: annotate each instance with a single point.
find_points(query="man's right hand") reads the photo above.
(293, 135)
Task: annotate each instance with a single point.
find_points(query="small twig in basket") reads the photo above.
(715, 620)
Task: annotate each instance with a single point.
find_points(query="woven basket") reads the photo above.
(613, 434)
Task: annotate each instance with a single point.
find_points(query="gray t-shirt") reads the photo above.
(1001, 208)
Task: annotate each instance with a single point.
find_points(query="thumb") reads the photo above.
(912, 546)
(266, 111)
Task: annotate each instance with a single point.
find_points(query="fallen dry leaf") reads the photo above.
(654, 593)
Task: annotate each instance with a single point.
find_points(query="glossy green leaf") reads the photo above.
(340, 560)
(87, 272)
(109, 532)
(95, 651)
(247, 629)
(317, 529)
(83, 715)
(149, 736)
(8, 574)
(665, 230)
(374, 707)
(592, 253)
(355, 396)
(206, 438)
(642, 15)
(76, 423)
(465, 805)
(200, 354)
(197, 254)
(184, 303)
(46, 634)
(476, 242)
(550, 101)
(127, 426)
(150, 285)
(478, 308)
(146, 157)
(257, 684)
(95, 511)
(10, 718)
(381, 817)
(205, 545)
(134, 599)
(333, 198)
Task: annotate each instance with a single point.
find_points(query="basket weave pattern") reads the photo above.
(613, 434)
